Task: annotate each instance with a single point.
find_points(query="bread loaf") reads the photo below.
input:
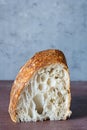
(41, 89)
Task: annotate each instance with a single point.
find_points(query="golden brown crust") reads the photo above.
(39, 60)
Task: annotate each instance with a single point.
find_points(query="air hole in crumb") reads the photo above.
(62, 74)
(38, 102)
(24, 94)
(51, 70)
(42, 78)
(29, 89)
(30, 113)
(49, 82)
(56, 77)
(59, 94)
(63, 100)
(40, 86)
(46, 118)
(68, 91)
(20, 120)
(38, 78)
(58, 113)
(25, 97)
(51, 100)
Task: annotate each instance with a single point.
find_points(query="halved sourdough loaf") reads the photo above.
(41, 89)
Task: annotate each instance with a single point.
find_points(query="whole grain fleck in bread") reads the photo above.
(41, 89)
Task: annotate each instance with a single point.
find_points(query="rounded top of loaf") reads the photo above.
(39, 60)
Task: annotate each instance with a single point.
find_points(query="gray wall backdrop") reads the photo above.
(28, 26)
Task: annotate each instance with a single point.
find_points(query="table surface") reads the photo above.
(78, 120)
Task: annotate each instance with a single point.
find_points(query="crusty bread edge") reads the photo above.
(38, 61)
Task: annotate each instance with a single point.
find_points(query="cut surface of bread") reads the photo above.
(45, 94)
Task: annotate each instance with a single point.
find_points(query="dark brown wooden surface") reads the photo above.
(78, 120)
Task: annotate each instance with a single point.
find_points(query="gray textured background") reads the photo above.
(28, 26)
